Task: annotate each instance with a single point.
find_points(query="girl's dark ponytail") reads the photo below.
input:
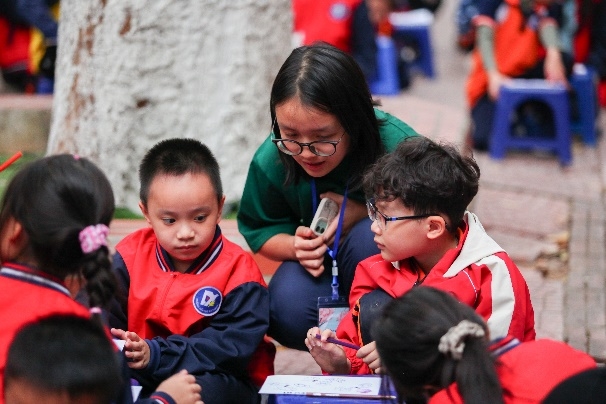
(418, 338)
(57, 199)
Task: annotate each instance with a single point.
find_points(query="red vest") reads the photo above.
(164, 303)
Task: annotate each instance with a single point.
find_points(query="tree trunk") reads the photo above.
(131, 73)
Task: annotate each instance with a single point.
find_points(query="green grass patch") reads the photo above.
(10, 171)
(126, 213)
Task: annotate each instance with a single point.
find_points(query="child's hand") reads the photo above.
(554, 67)
(330, 357)
(495, 81)
(309, 250)
(368, 353)
(135, 349)
(182, 387)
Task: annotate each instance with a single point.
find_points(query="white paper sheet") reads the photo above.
(306, 385)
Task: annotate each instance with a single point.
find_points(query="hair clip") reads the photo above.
(93, 237)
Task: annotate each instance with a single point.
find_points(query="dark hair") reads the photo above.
(407, 335)
(54, 199)
(427, 176)
(178, 156)
(328, 79)
(65, 353)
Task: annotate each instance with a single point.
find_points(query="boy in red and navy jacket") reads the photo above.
(426, 237)
(194, 300)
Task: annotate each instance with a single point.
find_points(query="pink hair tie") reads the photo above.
(95, 310)
(93, 237)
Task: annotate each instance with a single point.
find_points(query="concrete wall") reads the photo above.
(24, 122)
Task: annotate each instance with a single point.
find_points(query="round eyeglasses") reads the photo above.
(381, 219)
(322, 148)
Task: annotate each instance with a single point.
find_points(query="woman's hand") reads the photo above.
(135, 348)
(310, 250)
(354, 212)
(330, 357)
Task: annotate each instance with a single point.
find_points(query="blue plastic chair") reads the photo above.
(414, 27)
(511, 96)
(387, 81)
(583, 82)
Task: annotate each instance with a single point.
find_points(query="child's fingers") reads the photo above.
(366, 350)
(118, 333)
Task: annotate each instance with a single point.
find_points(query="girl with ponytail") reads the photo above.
(54, 223)
(435, 348)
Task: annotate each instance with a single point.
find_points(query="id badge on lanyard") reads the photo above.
(331, 309)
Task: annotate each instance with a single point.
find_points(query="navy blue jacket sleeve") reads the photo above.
(225, 345)
(37, 14)
(118, 306)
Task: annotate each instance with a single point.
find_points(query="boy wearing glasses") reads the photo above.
(419, 196)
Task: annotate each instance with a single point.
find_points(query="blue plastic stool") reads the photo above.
(415, 27)
(45, 85)
(583, 82)
(387, 81)
(513, 94)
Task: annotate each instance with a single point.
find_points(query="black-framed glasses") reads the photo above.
(377, 216)
(322, 148)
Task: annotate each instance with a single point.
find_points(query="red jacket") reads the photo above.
(528, 371)
(477, 272)
(26, 295)
(210, 319)
(325, 20)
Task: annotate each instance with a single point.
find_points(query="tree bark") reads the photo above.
(131, 73)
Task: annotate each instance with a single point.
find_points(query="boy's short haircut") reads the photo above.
(65, 353)
(427, 176)
(178, 156)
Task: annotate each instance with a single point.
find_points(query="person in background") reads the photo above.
(191, 298)
(325, 131)
(28, 43)
(520, 41)
(345, 24)
(434, 348)
(54, 222)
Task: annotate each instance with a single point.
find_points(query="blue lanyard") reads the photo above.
(332, 251)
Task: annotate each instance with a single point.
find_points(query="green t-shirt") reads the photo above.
(268, 207)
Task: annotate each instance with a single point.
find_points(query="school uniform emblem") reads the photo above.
(339, 11)
(207, 300)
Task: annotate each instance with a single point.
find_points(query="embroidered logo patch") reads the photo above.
(207, 300)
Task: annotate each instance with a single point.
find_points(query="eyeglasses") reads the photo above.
(382, 219)
(322, 148)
